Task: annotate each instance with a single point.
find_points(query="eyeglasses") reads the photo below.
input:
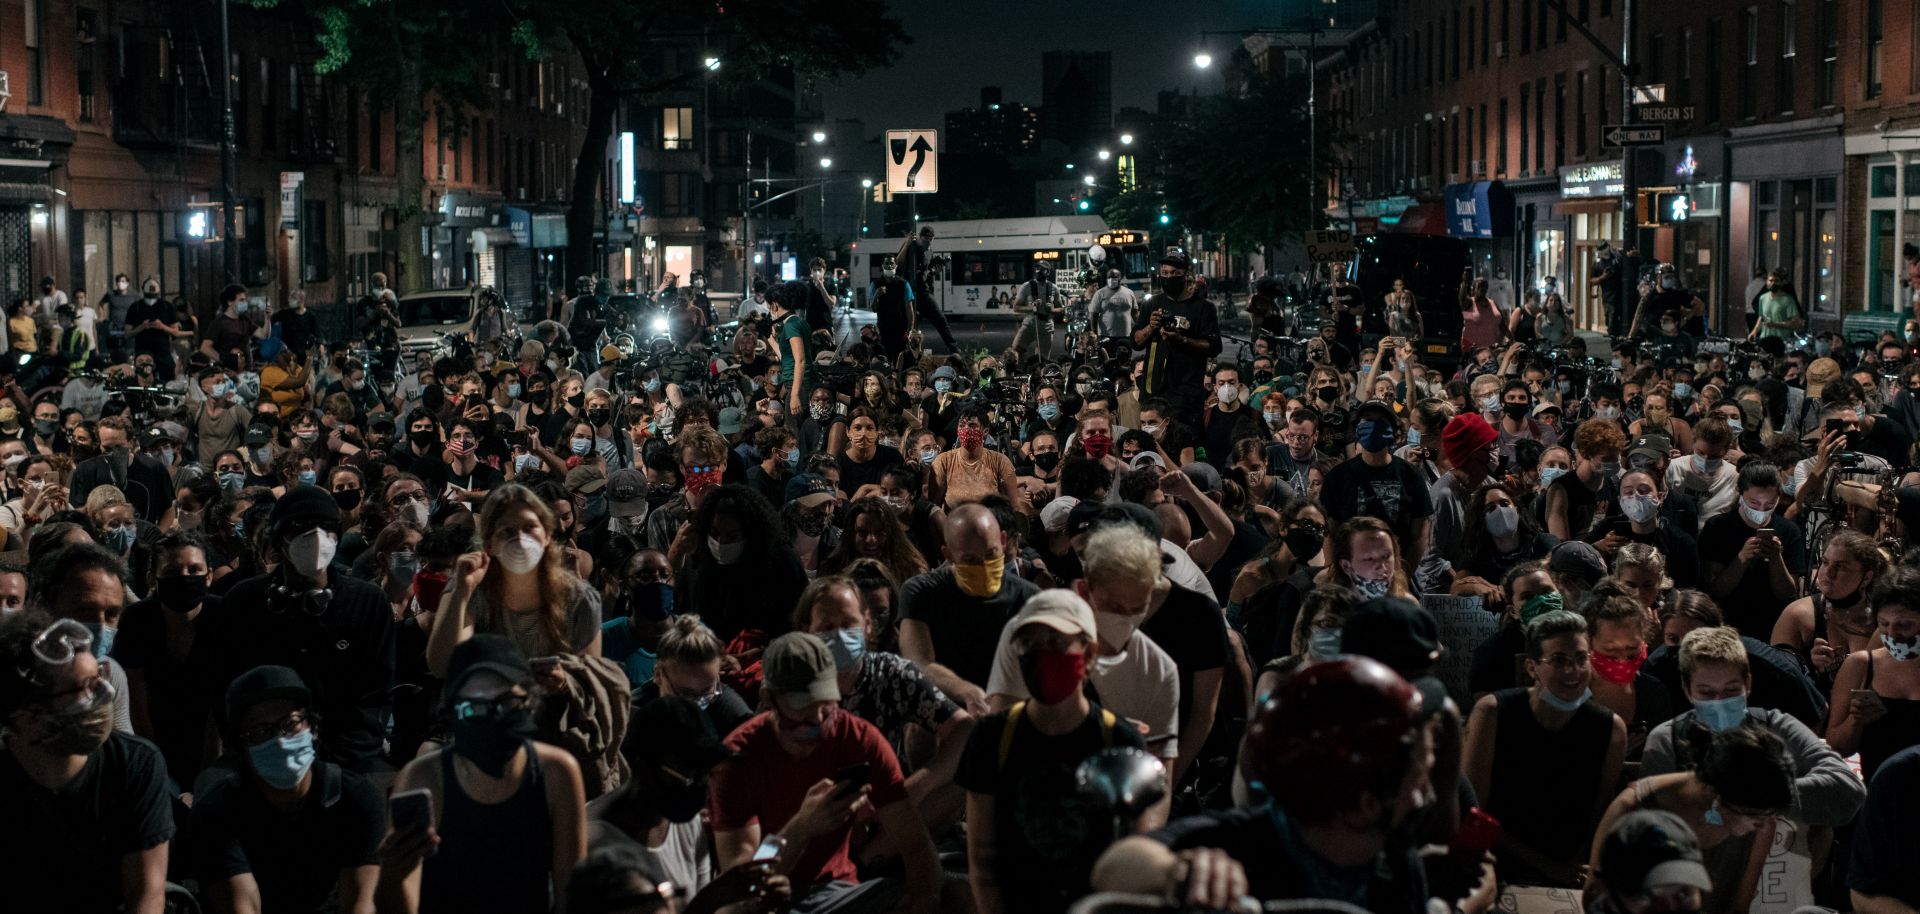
(291, 725)
(405, 497)
(703, 699)
(475, 708)
(59, 643)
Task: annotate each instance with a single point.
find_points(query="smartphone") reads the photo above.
(850, 779)
(410, 809)
(1835, 425)
(1478, 833)
(769, 850)
(1766, 533)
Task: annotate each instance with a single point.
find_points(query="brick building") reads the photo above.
(1464, 113)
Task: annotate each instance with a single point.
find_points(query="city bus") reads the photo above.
(980, 263)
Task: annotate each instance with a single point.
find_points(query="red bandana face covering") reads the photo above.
(1053, 676)
(1619, 672)
(971, 438)
(1097, 444)
(700, 479)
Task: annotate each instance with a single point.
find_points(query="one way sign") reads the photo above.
(1618, 135)
(913, 161)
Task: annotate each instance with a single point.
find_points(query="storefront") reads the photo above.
(1589, 210)
(1784, 211)
(449, 241)
(537, 260)
(34, 227)
(1482, 214)
(1883, 175)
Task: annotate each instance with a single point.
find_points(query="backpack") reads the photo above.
(1107, 723)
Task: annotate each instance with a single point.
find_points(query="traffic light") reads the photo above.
(1669, 208)
(1085, 204)
(1166, 219)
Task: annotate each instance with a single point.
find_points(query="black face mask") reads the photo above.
(1327, 394)
(577, 400)
(347, 499)
(423, 437)
(1304, 544)
(45, 427)
(651, 602)
(488, 742)
(1515, 411)
(181, 593)
(681, 804)
(599, 416)
(1046, 462)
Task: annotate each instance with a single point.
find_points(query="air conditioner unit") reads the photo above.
(1455, 178)
(493, 80)
(1477, 167)
(445, 172)
(1500, 49)
(5, 92)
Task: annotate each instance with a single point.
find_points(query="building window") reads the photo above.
(676, 194)
(36, 11)
(1750, 66)
(1526, 95)
(1540, 126)
(1580, 114)
(86, 28)
(265, 93)
(1829, 53)
(1470, 37)
(1783, 78)
(374, 133)
(676, 128)
(1559, 120)
(1500, 140)
(1526, 24)
(1656, 58)
(1876, 35)
(1481, 143)
(1540, 25)
(1713, 71)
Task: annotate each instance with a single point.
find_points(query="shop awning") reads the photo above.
(1480, 209)
(486, 239)
(1423, 219)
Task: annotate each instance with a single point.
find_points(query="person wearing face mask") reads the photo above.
(218, 420)
(1616, 629)
(1716, 676)
(1752, 557)
(659, 807)
(892, 301)
(1876, 706)
(492, 780)
(146, 482)
(731, 529)
(864, 461)
(951, 617)
(1366, 557)
(283, 829)
(1374, 483)
(91, 808)
(779, 454)
(1834, 621)
(809, 519)
(1538, 756)
(1049, 415)
(160, 644)
(1112, 307)
(1665, 296)
(1706, 477)
(1180, 332)
(1574, 499)
(792, 337)
(333, 629)
(1468, 444)
(1224, 420)
(970, 471)
(1020, 763)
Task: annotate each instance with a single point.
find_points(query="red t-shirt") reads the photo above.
(764, 784)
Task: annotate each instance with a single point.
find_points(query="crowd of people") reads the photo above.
(844, 625)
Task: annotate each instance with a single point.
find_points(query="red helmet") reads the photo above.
(1332, 731)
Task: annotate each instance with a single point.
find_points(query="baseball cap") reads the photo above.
(266, 683)
(1059, 609)
(810, 490)
(379, 418)
(1578, 559)
(626, 493)
(944, 371)
(1089, 516)
(1393, 630)
(258, 435)
(1204, 476)
(485, 652)
(1648, 848)
(733, 420)
(586, 480)
(610, 353)
(304, 503)
(1148, 458)
(1375, 409)
(1177, 257)
(1821, 372)
(1546, 407)
(799, 669)
(1053, 517)
(155, 436)
(1655, 446)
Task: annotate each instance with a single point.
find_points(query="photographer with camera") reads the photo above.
(1181, 332)
(1039, 300)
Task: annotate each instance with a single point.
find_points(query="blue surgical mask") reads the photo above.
(1822, 347)
(525, 463)
(102, 637)
(1048, 411)
(232, 482)
(1557, 703)
(1413, 437)
(1373, 434)
(513, 391)
(221, 389)
(1722, 714)
(793, 458)
(308, 477)
(927, 455)
(1549, 474)
(282, 761)
(1274, 418)
(1683, 390)
(1324, 643)
(651, 384)
(847, 645)
(120, 540)
(1713, 816)
(942, 385)
(582, 445)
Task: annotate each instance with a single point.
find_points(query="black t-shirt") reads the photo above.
(1045, 836)
(299, 330)
(295, 857)
(483, 478)
(70, 843)
(1175, 371)
(1220, 429)
(774, 488)
(1282, 868)
(1493, 667)
(1680, 549)
(177, 693)
(1247, 542)
(1394, 493)
(1582, 502)
(345, 655)
(965, 629)
(1191, 629)
(854, 474)
(1751, 607)
(157, 310)
(1885, 843)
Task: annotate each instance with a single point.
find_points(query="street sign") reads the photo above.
(1664, 113)
(913, 161)
(1330, 246)
(1650, 95)
(1618, 135)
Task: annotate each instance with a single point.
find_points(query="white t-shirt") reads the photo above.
(686, 856)
(1868, 464)
(1141, 684)
(1716, 492)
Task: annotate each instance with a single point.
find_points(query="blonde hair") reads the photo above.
(102, 498)
(688, 640)
(1642, 555)
(1121, 552)
(1712, 645)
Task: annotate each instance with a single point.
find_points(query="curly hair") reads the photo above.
(1599, 436)
(896, 552)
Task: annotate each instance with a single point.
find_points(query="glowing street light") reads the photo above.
(1203, 60)
(1126, 139)
(1088, 180)
(826, 163)
(1105, 155)
(712, 63)
(819, 136)
(866, 182)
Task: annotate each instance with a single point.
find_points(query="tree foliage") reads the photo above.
(1243, 164)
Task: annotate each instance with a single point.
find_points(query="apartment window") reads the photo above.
(1783, 76)
(1500, 141)
(1559, 25)
(1540, 126)
(1829, 72)
(1482, 144)
(1586, 10)
(1713, 71)
(36, 58)
(1750, 65)
(1656, 58)
(1559, 120)
(1540, 18)
(1526, 95)
(86, 28)
(239, 99)
(1580, 114)
(676, 128)
(1606, 9)
(374, 134)
(1471, 171)
(1876, 35)
(676, 193)
(1526, 24)
(1470, 36)
(265, 94)
(1506, 20)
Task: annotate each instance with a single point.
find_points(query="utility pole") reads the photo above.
(1629, 216)
(229, 236)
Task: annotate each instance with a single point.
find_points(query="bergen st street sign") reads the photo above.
(1663, 114)
(1622, 135)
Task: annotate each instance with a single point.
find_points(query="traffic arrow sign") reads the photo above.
(1618, 135)
(913, 163)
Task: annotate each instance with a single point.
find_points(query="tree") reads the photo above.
(407, 51)
(1241, 164)
(811, 38)
(1142, 209)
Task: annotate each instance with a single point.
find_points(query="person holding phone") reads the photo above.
(283, 830)
(1876, 696)
(495, 821)
(1751, 558)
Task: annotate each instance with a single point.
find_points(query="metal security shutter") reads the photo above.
(16, 263)
(515, 281)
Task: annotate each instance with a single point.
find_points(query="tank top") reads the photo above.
(476, 869)
(1890, 734)
(1544, 781)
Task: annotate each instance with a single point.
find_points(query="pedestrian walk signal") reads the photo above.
(1669, 208)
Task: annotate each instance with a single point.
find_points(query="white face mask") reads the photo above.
(1503, 521)
(520, 554)
(1755, 516)
(1115, 630)
(1227, 393)
(726, 553)
(312, 551)
(1639, 508)
(415, 513)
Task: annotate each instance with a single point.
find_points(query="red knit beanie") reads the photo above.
(1466, 435)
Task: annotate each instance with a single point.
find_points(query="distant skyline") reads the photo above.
(960, 46)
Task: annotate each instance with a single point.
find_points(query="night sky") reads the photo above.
(960, 45)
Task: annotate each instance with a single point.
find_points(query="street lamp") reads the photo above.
(712, 63)
(819, 136)
(1105, 155)
(826, 162)
(1203, 60)
(1069, 166)
(866, 183)
(1088, 180)
(1126, 139)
